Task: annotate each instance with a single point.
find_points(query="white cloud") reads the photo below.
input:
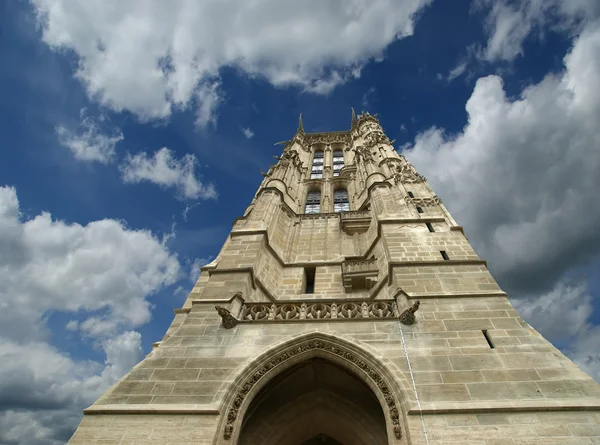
(103, 273)
(165, 170)
(457, 71)
(522, 176)
(102, 268)
(151, 57)
(509, 23)
(208, 98)
(563, 316)
(43, 391)
(95, 140)
(248, 133)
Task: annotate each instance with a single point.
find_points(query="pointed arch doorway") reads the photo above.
(314, 402)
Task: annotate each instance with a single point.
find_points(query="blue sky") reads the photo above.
(132, 136)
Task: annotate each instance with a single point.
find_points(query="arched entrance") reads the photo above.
(310, 389)
(314, 402)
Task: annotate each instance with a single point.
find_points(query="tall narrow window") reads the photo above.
(316, 171)
(341, 203)
(313, 202)
(429, 227)
(338, 162)
(444, 255)
(309, 280)
(419, 209)
(411, 194)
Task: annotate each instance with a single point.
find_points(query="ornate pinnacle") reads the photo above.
(300, 126)
(353, 116)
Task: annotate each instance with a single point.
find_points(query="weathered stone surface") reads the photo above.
(292, 355)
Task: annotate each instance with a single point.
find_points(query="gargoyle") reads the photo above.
(408, 315)
(229, 321)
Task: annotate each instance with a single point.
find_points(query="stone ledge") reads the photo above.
(473, 262)
(470, 295)
(151, 409)
(185, 310)
(590, 404)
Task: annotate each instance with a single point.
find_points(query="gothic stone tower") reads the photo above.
(307, 327)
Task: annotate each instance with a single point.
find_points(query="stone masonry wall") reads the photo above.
(469, 371)
(452, 364)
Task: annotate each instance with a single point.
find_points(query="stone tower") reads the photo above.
(347, 307)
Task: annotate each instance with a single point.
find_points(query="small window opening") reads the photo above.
(338, 162)
(313, 202)
(430, 227)
(488, 339)
(309, 276)
(316, 171)
(411, 194)
(444, 255)
(419, 209)
(341, 202)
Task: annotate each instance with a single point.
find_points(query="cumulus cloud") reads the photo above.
(151, 57)
(43, 391)
(165, 170)
(522, 176)
(95, 140)
(102, 273)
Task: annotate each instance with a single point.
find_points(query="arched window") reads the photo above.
(316, 171)
(341, 203)
(313, 202)
(338, 162)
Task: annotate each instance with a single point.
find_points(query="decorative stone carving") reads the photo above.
(424, 202)
(341, 137)
(376, 137)
(365, 117)
(326, 346)
(228, 320)
(311, 311)
(406, 173)
(408, 315)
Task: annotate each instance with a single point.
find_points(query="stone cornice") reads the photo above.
(506, 406)
(152, 409)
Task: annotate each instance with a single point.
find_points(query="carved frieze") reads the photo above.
(308, 346)
(424, 202)
(311, 311)
(328, 138)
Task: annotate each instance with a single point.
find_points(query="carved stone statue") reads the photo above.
(408, 315)
(229, 321)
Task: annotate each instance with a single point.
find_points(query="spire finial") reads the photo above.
(300, 126)
(353, 115)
